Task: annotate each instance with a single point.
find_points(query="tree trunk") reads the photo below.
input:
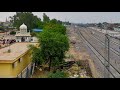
(50, 65)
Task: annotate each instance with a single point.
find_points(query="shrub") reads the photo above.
(58, 74)
(12, 33)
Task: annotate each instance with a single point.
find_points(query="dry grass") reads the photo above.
(40, 74)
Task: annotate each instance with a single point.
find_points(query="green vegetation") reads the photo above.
(58, 74)
(12, 33)
(28, 18)
(33, 34)
(53, 44)
(36, 55)
(55, 28)
(54, 21)
(1, 28)
(46, 19)
(31, 20)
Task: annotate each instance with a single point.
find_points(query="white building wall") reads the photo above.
(18, 39)
(27, 39)
(34, 39)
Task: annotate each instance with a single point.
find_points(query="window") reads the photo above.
(20, 59)
(14, 64)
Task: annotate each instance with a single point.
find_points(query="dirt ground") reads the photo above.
(39, 74)
(79, 52)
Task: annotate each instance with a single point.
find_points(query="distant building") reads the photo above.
(6, 23)
(23, 35)
(117, 29)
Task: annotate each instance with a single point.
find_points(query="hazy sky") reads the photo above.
(76, 17)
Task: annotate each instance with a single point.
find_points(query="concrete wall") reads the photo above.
(5, 70)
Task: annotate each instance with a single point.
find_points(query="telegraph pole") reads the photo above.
(107, 55)
(119, 44)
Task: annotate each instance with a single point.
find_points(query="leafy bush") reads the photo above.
(58, 74)
(2, 28)
(12, 33)
(33, 34)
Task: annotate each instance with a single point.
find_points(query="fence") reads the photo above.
(27, 72)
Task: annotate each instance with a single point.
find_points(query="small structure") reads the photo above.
(23, 35)
(35, 39)
(37, 30)
(117, 29)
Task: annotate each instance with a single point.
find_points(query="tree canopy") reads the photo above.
(53, 42)
(55, 28)
(28, 18)
(53, 46)
(55, 21)
(46, 19)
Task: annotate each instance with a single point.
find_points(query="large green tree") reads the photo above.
(46, 19)
(55, 21)
(53, 46)
(53, 27)
(28, 18)
(53, 43)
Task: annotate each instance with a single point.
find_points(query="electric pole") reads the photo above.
(107, 53)
(107, 57)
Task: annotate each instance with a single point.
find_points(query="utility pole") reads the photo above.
(119, 41)
(107, 53)
(107, 57)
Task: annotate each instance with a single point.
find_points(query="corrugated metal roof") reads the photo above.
(37, 30)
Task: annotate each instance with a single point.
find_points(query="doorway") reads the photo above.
(23, 39)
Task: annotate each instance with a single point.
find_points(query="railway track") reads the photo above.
(113, 41)
(115, 50)
(114, 59)
(115, 72)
